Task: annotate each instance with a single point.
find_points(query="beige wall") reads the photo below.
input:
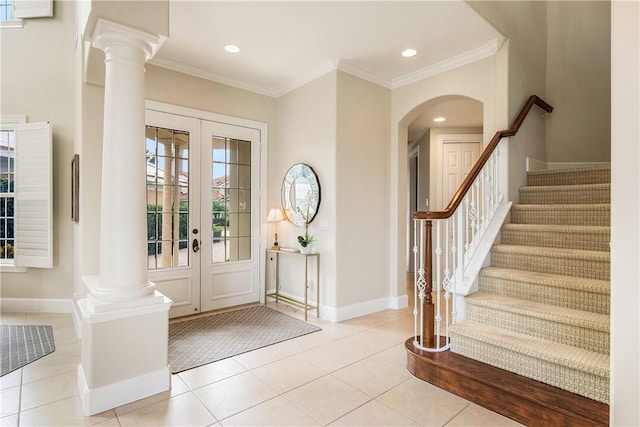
(37, 80)
(558, 50)
(524, 24)
(306, 133)
(181, 89)
(363, 194)
(625, 213)
(578, 81)
(151, 16)
(484, 81)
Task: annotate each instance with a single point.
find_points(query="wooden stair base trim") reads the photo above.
(522, 399)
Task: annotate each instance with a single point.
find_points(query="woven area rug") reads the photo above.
(23, 344)
(196, 342)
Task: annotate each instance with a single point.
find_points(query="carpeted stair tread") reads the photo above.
(571, 368)
(562, 214)
(580, 318)
(588, 175)
(561, 354)
(565, 194)
(556, 289)
(571, 262)
(557, 252)
(542, 309)
(564, 325)
(555, 280)
(585, 237)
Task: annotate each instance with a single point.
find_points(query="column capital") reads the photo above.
(108, 33)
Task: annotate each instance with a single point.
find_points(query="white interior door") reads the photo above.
(457, 160)
(230, 164)
(173, 208)
(203, 198)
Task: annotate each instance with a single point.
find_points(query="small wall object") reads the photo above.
(75, 188)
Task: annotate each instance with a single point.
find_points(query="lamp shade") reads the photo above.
(275, 215)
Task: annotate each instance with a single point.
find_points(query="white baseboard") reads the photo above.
(399, 302)
(362, 309)
(113, 395)
(36, 305)
(535, 165)
(573, 165)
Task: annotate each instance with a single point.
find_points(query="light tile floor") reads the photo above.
(349, 374)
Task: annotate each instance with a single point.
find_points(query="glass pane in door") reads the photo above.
(7, 188)
(167, 197)
(231, 200)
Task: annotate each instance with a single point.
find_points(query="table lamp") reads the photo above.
(275, 216)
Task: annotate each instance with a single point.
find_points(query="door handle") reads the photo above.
(195, 245)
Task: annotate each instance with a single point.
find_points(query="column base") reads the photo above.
(123, 352)
(97, 400)
(116, 295)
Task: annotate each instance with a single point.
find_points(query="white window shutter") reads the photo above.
(32, 8)
(33, 228)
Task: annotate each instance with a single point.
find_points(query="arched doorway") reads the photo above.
(443, 141)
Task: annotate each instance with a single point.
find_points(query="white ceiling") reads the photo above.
(285, 44)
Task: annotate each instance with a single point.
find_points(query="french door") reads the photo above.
(203, 180)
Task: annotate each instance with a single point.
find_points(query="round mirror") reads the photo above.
(300, 194)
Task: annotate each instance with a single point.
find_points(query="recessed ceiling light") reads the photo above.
(439, 119)
(409, 53)
(232, 48)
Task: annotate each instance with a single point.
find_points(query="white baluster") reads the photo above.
(438, 252)
(416, 252)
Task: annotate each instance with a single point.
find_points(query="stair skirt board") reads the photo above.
(522, 399)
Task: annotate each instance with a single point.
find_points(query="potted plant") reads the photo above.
(305, 241)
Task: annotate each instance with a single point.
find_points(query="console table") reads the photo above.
(304, 304)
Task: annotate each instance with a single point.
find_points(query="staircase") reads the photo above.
(542, 309)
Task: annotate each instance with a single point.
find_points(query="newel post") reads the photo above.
(428, 308)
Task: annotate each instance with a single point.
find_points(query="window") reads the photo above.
(7, 19)
(231, 190)
(12, 12)
(26, 230)
(167, 197)
(7, 194)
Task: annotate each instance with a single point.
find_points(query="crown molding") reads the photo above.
(488, 49)
(180, 67)
(307, 77)
(364, 73)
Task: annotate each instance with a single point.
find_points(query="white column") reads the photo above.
(123, 240)
(125, 321)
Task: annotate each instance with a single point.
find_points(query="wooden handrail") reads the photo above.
(427, 326)
(484, 157)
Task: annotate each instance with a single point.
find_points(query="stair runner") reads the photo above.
(542, 307)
